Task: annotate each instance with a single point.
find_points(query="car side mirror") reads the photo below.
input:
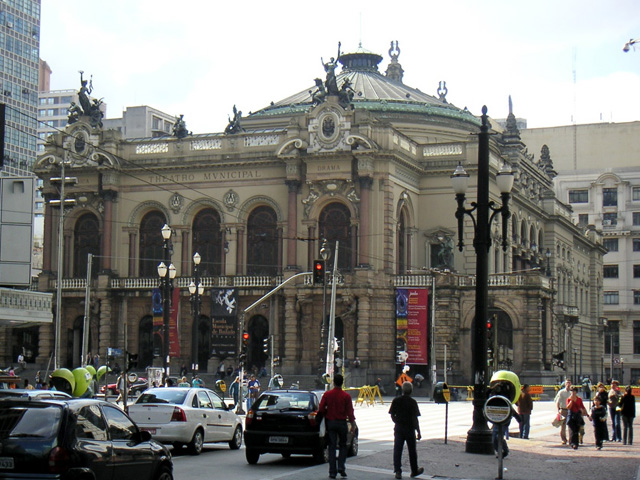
(140, 436)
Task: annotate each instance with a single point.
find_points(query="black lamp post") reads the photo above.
(196, 289)
(548, 255)
(167, 274)
(479, 436)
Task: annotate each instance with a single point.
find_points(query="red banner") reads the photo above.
(174, 341)
(412, 314)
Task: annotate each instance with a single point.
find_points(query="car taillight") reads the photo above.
(312, 418)
(59, 460)
(249, 417)
(178, 415)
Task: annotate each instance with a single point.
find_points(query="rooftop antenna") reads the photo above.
(360, 41)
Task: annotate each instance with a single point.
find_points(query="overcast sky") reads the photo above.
(560, 60)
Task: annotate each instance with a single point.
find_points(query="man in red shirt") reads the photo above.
(336, 408)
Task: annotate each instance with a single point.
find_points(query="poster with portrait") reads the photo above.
(412, 315)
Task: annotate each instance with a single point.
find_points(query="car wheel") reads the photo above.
(286, 455)
(236, 441)
(322, 455)
(178, 446)
(164, 474)
(195, 445)
(252, 456)
(353, 448)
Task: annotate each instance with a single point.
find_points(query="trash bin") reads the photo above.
(441, 393)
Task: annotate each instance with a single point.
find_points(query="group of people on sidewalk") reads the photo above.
(571, 413)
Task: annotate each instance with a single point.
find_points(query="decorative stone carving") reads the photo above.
(175, 202)
(230, 200)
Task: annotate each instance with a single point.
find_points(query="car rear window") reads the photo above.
(284, 401)
(163, 395)
(19, 421)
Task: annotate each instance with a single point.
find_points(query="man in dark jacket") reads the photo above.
(404, 412)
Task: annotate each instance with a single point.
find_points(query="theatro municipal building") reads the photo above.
(356, 164)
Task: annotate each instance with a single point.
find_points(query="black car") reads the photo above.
(76, 439)
(286, 422)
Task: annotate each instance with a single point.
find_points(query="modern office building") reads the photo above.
(598, 169)
(362, 161)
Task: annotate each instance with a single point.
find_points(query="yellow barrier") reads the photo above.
(368, 394)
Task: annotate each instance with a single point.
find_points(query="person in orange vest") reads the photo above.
(404, 377)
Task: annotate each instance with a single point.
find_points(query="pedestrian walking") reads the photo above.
(404, 377)
(39, 380)
(576, 410)
(525, 406)
(561, 404)
(404, 412)
(615, 394)
(254, 390)
(197, 382)
(336, 408)
(234, 390)
(599, 420)
(628, 413)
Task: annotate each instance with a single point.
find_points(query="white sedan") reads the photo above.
(187, 416)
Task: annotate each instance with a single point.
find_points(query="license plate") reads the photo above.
(152, 431)
(6, 463)
(278, 439)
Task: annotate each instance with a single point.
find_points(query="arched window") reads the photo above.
(207, 241)
(402, 243)
(262, 242)
(86, 239)
(335, 224)
(145, 342)
(151, 242)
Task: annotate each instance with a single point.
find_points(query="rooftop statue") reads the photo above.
(88, 107)
(346, 93)
(180, 128)
(234, 123)
(330, 67)
(320, 94)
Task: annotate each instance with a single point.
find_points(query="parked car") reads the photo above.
(35, 393)
(187, 416)
(76, 438)
(287, 422)
(135, 388)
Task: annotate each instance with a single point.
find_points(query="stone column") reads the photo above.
(48, 237)
(108, 197)
(67, 261)
(279, 240)
(292, 219)
(240, 252)
(365, 196)
(186, 263)
(133, 238)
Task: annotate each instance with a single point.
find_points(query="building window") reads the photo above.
(610, 271)
(611, 298)
(636, 219)
(635, 194)
(262, 242)
(335, 224)
(636, 271)
(636, 338)
(583, 219)
(207, 241)
(611, 244)
(636, 244)
(151, 244)
(86, 240)
(636, 297)
(612, 338)
(578, 196)
(609, 219)
(609, 197)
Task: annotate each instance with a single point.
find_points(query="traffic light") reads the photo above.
(265, 345)
(245, 340)
(489, 330)
(132, 361)
(318, 272)
(276, 361)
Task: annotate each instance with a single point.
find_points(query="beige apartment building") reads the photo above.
(361, 160)
(599, 176)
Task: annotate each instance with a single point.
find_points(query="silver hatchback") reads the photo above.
(187, 416)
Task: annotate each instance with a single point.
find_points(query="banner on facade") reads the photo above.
(412, 315)
(224, 321)
(158, 323)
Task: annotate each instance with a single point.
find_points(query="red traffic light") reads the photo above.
(318, 272)
(245, 336)
(489, 324)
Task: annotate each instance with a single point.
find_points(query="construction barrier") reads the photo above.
(367, 394)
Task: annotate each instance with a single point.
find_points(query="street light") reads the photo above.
(548, 255)
(629, 44)
(479, 436)
(196, 289)
(167, 274)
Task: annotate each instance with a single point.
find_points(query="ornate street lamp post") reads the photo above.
(479, 436)
(196, 289)
(167, 274)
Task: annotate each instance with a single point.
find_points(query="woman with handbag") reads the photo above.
(576, 410)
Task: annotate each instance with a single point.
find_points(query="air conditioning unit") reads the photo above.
(606, 223)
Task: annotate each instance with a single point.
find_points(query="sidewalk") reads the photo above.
(535, 459)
